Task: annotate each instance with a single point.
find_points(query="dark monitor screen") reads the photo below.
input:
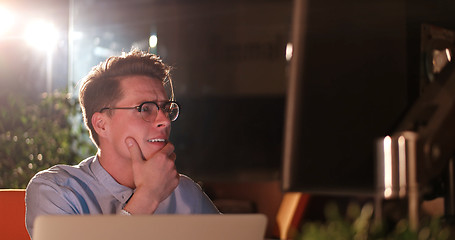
(353, 75)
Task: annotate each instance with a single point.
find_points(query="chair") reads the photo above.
(290, 214)
(12, 212)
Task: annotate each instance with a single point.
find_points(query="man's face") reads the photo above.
(151, 136)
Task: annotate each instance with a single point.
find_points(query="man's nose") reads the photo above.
(162, 120)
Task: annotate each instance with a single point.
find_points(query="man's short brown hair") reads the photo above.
(101, 87)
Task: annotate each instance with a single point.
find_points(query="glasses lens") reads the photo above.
(172, 109)
(149, 111)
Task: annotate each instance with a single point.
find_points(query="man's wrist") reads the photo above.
(142, 202)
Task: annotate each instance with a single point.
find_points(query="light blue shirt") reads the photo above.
(87, 188)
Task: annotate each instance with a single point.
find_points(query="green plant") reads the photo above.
(358, 224)
(35, 135)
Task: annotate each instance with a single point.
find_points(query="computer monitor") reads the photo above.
(355, 72)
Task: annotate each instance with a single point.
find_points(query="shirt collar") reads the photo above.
(120, 192)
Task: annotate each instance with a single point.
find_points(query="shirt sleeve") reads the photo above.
(201, 203)
(44, 197)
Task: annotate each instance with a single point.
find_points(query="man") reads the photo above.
(129, 115)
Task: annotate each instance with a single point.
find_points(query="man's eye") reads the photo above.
(146, 108)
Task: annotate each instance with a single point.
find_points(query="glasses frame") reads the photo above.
(159, 106)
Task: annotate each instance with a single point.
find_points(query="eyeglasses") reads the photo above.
(149, 110)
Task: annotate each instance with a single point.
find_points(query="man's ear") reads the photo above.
(100, 123)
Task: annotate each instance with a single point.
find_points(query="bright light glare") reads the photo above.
(387, 167)
(153, 41)
(289, 50)
(402, 166)
(449, 55)
(6, 20)
(41, 35)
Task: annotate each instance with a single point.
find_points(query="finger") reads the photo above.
(135, 151)
(168, 149)
(173, 156)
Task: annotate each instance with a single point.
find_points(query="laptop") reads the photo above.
(160, 227)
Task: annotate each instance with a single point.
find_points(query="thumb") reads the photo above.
(135, 151)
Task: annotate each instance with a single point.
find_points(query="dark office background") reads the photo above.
(229, 70)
